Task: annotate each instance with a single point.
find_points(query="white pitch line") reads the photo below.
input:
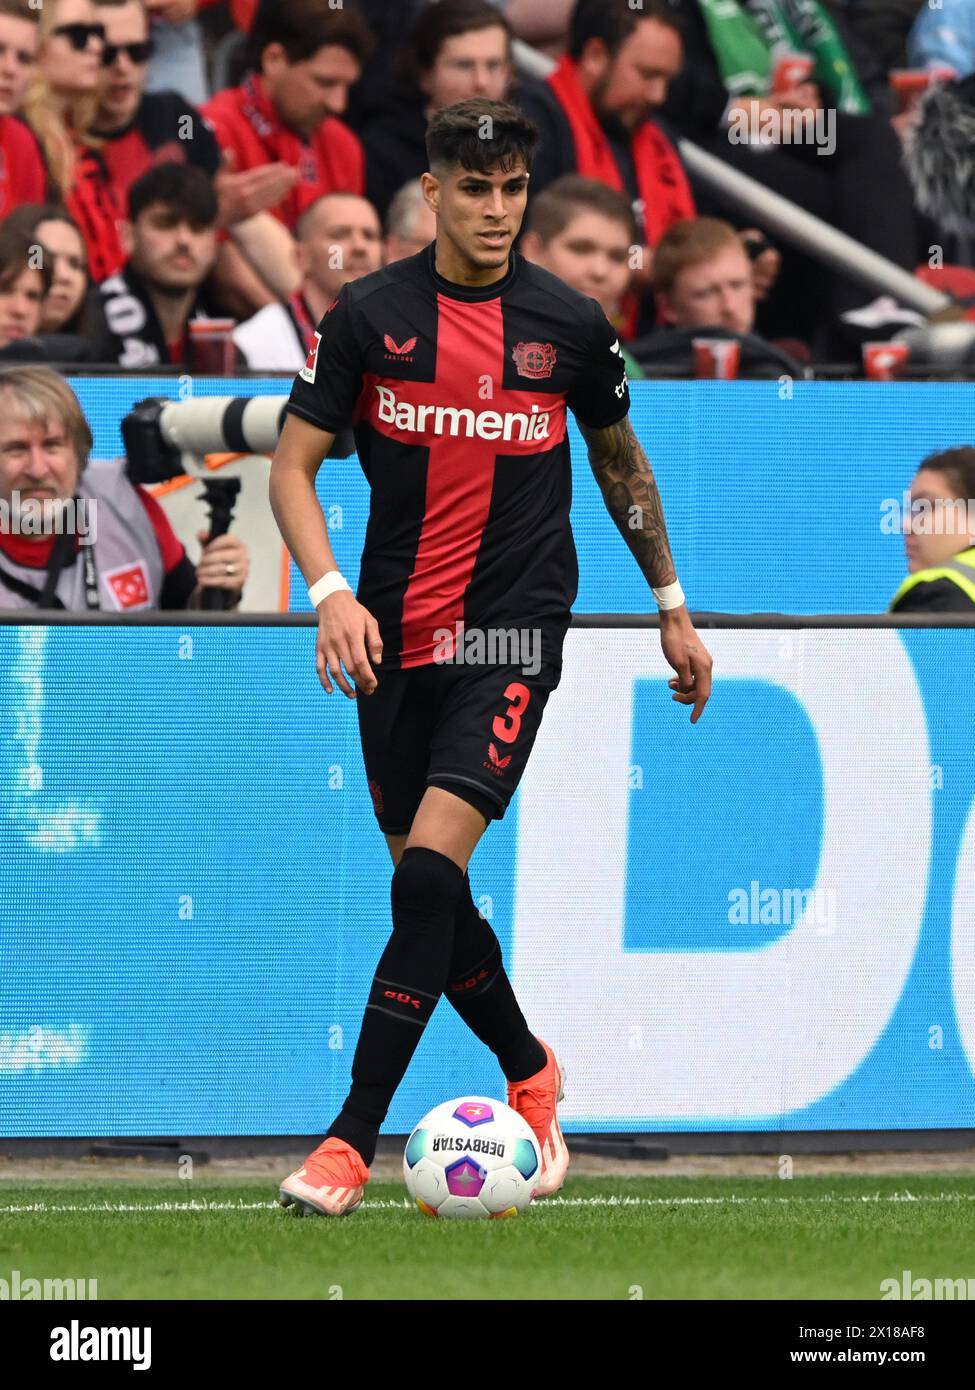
(405, 1204)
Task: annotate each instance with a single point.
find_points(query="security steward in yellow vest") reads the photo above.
(939, 537)
(945, 588)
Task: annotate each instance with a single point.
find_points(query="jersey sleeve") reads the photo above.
(600, 396)
(327, 387)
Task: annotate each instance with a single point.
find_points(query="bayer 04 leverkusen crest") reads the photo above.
(534, 359)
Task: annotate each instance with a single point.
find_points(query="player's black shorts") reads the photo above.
(466, 728)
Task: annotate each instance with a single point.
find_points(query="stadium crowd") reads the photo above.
(168, 159)
(171, 161)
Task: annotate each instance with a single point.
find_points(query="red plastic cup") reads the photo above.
(883, 361)
(908, 84)
(792, 70)
(716, 359)
(212, 346)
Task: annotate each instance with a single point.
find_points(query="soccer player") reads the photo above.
(456, 367)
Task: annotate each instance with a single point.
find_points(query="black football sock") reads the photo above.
(409, 979)
(479, 989)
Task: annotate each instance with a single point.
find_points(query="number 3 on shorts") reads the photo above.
(507, 725)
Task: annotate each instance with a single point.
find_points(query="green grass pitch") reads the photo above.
(602, 1238)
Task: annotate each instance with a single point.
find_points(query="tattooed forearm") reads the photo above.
(632, 499)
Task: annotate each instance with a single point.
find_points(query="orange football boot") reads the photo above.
(535, 1100)
(329, 1183)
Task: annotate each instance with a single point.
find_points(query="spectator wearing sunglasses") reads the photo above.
(25, 179)
(135, 129)
(72, 47)
(60, 108)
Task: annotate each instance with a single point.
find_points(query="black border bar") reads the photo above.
(34, 617)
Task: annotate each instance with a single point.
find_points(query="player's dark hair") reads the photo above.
(438, 23)
(182, 188)
(17, 254)
(959, 466)
(614, 21)
(480, 135)
(302, 27)
(551, 212)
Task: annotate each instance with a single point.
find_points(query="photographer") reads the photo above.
(105, 543)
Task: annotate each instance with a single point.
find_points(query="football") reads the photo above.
(470, 1158)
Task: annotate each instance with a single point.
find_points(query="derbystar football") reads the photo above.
(472, 1157)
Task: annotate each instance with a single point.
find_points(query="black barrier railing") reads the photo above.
(740, 621)
(822, 371)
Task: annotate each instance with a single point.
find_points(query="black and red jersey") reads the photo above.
(164, 130)
(458, 398)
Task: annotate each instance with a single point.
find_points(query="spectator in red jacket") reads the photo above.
(596, 117)
(126, 133)
(60, 106)
(24, 178)
(306, 56)
(135, 130)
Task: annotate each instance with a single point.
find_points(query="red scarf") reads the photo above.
(661, 181)
(330, 161)
(302, 319)
(94, 203)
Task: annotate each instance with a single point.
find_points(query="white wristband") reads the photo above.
(328, 584)
(671, 596)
